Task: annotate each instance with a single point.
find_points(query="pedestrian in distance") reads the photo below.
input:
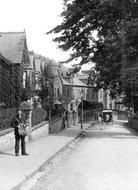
(107, 118)
(101, 121)
(20, 133)
(100, 117)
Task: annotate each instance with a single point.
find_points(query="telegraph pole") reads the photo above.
(82, 95)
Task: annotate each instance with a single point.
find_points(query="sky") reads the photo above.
(36, 17)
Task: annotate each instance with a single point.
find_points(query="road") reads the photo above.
(105, 158)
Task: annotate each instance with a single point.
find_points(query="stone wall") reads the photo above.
(56, 126)
(133, 123)
(7, 140)
(39, 130)
(122, 115)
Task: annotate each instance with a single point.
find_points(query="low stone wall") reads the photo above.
(7, 140)
(39, 130)
(56, 126)
(133, 123)
(122, 115)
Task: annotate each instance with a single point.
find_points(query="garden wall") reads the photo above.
(122, 115)
(7, 136)
(133, 123)
(56, 126)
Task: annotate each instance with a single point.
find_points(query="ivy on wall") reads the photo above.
(5, 83)
(9, 84)
(15, 85)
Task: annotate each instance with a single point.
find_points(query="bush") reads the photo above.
(6, 115)
(38, 115)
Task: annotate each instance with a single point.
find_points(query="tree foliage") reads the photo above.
(115, 45)
(46, 82)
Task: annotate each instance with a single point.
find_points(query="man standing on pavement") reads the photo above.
(16, 121)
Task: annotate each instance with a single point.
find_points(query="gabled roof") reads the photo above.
(63, 81)
(11, 45)
(66, 83)
(77, 82)
(82, 76)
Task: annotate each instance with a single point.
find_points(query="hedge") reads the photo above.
(6, 114)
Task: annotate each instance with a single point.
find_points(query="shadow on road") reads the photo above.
(108, 131)
(89, 134)
(8, 154)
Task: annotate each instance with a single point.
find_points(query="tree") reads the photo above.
(46, 84)
(113, 49)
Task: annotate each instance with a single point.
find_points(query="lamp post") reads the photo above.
(82, 95)
(49, 111)
(50, 100)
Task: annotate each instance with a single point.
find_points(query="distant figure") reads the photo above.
(64, 120)
(107, 118)
(73, 115)
(100, 117)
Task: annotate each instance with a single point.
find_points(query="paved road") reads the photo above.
(105, 158)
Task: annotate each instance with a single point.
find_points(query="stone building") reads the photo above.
(13, 47)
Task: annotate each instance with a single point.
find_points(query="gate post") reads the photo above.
(26, 109)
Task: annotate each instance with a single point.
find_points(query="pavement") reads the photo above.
(14, 171)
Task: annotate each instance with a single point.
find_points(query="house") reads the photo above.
(79, 92)
(65, 87)
(57, 89)
(110, 103)
(119, 103)
(13, 47)
(91, 93)
(39, 63)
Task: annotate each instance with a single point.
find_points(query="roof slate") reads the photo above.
(11, 45)
(4, 59)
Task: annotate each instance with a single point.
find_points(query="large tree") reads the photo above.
(115, 45)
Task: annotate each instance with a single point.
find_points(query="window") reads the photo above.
(58, 92)
(101, 94)
(24, 78)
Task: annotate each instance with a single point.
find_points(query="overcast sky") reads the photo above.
(36, 17)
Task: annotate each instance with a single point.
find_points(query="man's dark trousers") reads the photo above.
(17, 144)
